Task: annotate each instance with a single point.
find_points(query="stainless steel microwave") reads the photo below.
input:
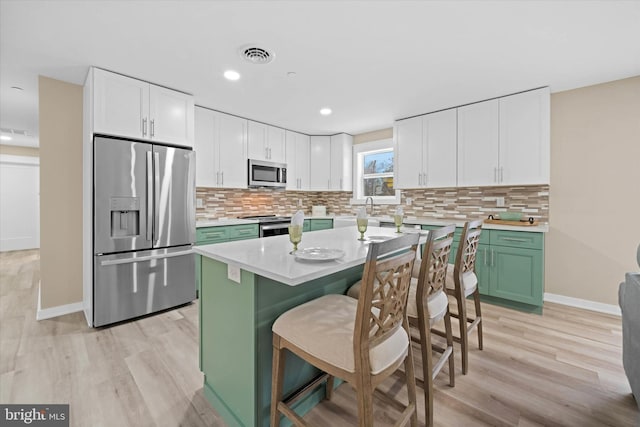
(267, 174)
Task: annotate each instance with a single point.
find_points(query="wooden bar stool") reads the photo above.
(361, 341)
(428, 304)
(463, 282)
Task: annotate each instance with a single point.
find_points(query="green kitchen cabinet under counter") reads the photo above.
(320, 224)
(509, 266)
(220, 234)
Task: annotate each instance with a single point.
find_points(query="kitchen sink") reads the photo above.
(350, 221)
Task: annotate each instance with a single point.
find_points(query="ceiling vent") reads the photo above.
(256, 55)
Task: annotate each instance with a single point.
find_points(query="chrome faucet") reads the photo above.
(366, 201)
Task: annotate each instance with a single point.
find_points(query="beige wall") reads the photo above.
(60, 192)
(16, 150)
(594, 203)
(373, 136)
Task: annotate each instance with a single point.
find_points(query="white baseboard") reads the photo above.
(60, 310)
(583, 303)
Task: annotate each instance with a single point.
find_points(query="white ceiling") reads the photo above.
(370, 61)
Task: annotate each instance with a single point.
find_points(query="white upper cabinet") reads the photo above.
(266, 142)
(127, 107)
(341, 162)
(170, 116)
(121, 105)
(440, 150)
(425, 151)
(408, 153)
(478, 144)
(297, 150)
(232, 141)
(524, 138)
(207, 173)
(221, 149)
(505, 141)
(319, 163)
(276, 144)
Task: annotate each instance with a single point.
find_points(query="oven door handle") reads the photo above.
(275, 226)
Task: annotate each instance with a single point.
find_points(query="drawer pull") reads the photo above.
(515, 239)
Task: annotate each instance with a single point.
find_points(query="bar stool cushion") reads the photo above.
(437, 304)
(324, 328)
(469, 281)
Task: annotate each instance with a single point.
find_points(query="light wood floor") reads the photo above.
(560, 369)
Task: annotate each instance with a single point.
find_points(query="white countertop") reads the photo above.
(270, 257)
(541, 228)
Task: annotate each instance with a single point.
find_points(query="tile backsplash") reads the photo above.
(458, 203)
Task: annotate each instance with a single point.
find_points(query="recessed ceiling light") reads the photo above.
(5, 138)
(231, 75)
(291, 74)
(325, 111)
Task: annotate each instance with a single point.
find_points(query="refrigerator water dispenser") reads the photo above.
(125, 216)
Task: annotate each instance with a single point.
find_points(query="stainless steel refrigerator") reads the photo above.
(144, 229)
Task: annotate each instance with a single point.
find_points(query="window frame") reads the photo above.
(359, 152)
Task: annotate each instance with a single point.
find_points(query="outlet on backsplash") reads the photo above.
(299, 202)
(409, 201)
(500, 202)
(199, 203)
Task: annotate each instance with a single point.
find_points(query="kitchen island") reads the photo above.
(246, 285)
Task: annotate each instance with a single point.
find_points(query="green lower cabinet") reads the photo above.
(509, 265)
(517, 274)
(221, 234)
(321, 224)
(307, 225)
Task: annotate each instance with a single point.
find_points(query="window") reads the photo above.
(373, 172)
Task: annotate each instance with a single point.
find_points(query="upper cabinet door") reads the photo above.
(478, 144)
(297, 157)
(231, 138)
(302, 160)
(276, 144)
(170, 116)
(524, 138)
(320, 167)
(266, 142)
(408, 154)
(341, 162)
(257, 142)
(440, 131)
(206, 157)
(121, 105)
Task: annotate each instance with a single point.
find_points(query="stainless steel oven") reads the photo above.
(271, 225)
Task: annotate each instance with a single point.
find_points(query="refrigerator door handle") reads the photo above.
(156, 187)
(149, 197)
(144, 258)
